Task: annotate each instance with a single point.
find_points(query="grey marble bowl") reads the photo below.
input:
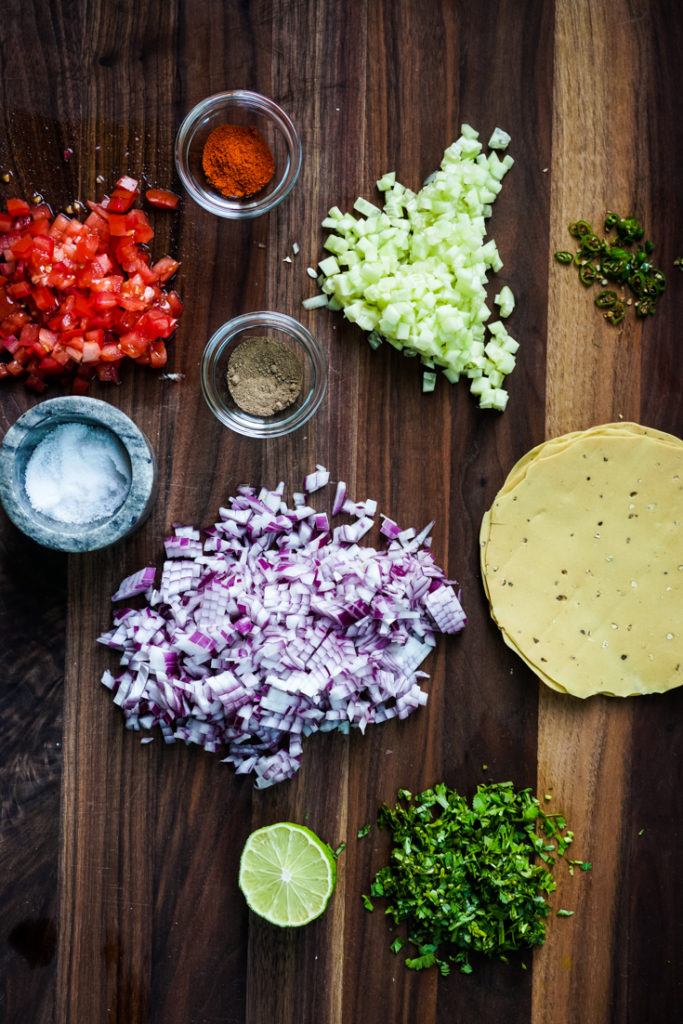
(34, 426)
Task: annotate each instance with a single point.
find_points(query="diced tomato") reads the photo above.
(41, 212)
(162, 198)
(103, 301)
(39, 226)
(11, 343)
(174, 304)
(61, 277)
(96, 335)
(157, 354)
(139, 227)
(60, 355)
(91, 352)
(44, 245)
(44, 298)
(31, 334)
(165, 268)
(156, 324)
(48, 365)
(133, 344)
(110, 352)
(18, 208)
(79, 385)
(108, 372)
(59, 225)
(96, 221)
(86, 247)
(36, 383)
(19, 289)
(22, 246)
(77, 298)
(128, 184)
(119, 225)
(123, 196)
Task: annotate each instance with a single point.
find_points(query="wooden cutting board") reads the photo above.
(119, 860)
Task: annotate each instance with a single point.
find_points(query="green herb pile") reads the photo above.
(625, 261)
(469, 879)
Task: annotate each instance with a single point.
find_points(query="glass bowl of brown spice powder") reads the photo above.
(238, 154)
(263, 374)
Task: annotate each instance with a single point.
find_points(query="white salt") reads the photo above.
(78, 473)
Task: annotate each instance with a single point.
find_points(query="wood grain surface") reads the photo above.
(118, 861)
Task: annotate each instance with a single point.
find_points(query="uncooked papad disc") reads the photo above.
(582, 560)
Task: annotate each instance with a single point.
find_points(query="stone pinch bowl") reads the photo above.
(29, 430)
(214, 367)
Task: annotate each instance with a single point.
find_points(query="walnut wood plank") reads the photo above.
(119, 860)
(590, 756)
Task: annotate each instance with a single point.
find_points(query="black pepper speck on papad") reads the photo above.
(582, 560)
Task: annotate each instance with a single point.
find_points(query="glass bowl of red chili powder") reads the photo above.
(263, 374)
(238, 154)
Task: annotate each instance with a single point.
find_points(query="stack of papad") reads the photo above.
(582, 560)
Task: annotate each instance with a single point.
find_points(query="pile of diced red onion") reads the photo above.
(276, 625)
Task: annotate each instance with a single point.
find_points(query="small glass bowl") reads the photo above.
(247, 109)
(214, 368)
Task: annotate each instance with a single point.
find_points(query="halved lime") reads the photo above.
(287, 874)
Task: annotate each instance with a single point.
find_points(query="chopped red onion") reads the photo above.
(135, 584)
(314, 481)
(275, 626)
(339, 497)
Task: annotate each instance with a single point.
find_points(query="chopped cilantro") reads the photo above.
(565, 913)
(363, 831)
(469, 878)
(419, 963)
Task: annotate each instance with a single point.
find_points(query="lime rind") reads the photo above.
(287, 874)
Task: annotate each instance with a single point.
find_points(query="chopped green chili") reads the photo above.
(578, 228)
(605, 299)
(616, 314)
(627, 263)
(469, 877)
(645, 306)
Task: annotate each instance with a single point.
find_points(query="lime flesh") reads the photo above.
(287, 874)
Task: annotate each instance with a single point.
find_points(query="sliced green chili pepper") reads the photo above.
(637, 282)
(606, 299)
(616, 314)
(578, 228)
(627, 263)
(591, 242)
(645, 306)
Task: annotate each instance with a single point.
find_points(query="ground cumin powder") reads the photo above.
(264, 376)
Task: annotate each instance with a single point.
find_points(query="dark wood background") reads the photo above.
(118, 862)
